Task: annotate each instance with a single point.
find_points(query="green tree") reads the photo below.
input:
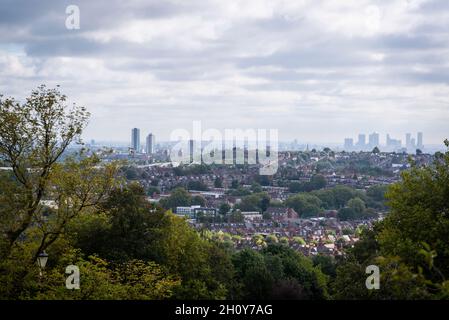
(413, 260)
(197, 185)
(357, 205)
(178, 198)
(218, 182)
(342, 194)
(345, 214)
(307, 205)
(198, 201)
(224, 209)
(34, 137)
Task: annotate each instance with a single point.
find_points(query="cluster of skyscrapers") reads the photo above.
(135, 142)
(411, 144)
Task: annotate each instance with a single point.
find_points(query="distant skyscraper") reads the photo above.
(373, 140)
(361, 143)
(349, 144)
(135, 139)
(149, 147)
(393, 144)
(408, 141)
(191, 149)
(420, 144)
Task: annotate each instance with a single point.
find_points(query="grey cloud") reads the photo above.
(296, 69)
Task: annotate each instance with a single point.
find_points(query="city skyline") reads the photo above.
(390, 144)
(259, 64)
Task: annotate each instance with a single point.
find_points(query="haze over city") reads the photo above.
(378, 67)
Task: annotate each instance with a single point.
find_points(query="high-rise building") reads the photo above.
(349, 144)
(191, 149)
(135, 139)
(149, 146)
(408, 141)
(393, 144)
(361, 143)
(420, 144)
(373, 140)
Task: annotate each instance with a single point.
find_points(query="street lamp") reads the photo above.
(42, 260)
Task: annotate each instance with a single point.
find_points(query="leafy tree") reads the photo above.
(218, 182)
(299, 240)
(357, 205)
(236, 217)
(253, 274)
(317, 182)
(178, 198)
(256, 188)
(342, 194)
(420, 199)
(197, 185)
(327, 198)
(198, 201)
(327, 264)
(255, 202)
(153, 190)
(307, 205)
(34, 137)
(413, 260)
(295, 266)
(224, 208)
(345, 214)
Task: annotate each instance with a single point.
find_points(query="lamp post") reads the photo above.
(42, 261)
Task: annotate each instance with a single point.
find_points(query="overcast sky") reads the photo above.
(316, 70)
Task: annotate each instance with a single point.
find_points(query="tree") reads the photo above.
(414, 260)
(296, 187)
(236, 217)
(234, 184)
(299, 240)
(345, 214)
(256, 188)
(253, 274)
(377, 192)
(34, 137)
(218, 182)
(357, 205)
(178, 198)
(342, 194)
(293, 265)
(224, 209)
(255, 202)
(197, 185)
(317, 182)
(127, 229)
(375, 150)
(198, 201)
(307, 205)
(327, 198)
(326, 263)
(100, 280)
(420, 198)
